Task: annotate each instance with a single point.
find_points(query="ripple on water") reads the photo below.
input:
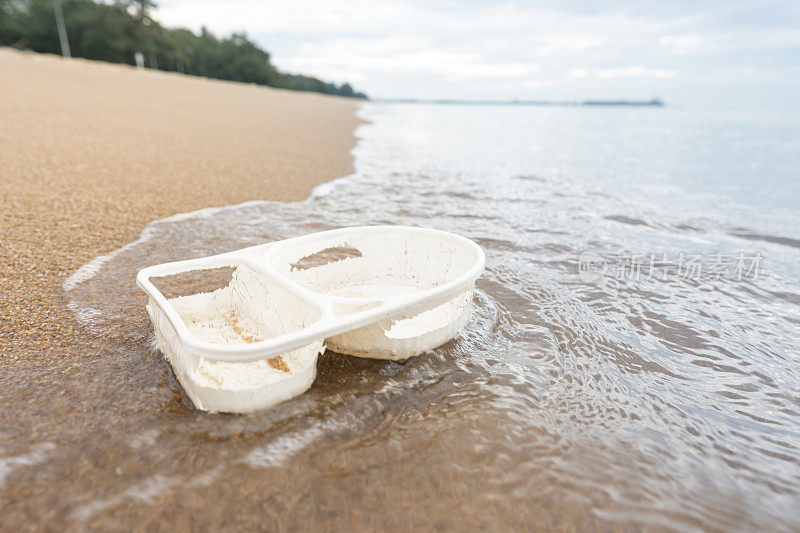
(660, 403)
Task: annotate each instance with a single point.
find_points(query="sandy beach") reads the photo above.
(555, 289)
(90, 152)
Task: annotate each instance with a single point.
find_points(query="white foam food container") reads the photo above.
(386, 292)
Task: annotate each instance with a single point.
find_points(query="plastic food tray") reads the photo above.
(386, 292)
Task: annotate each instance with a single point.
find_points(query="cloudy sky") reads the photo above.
(686, 52)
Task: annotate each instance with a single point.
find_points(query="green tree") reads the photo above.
(115, 31)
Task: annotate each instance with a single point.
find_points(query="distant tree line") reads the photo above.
(117, 31)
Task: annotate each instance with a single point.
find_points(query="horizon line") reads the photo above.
(653, 102)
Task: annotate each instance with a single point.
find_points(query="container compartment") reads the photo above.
(362, 269)
(248, 309)
(375, 264)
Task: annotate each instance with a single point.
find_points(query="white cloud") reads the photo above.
(444, 49)
(637, 71)
(569, 43)
(689, 40)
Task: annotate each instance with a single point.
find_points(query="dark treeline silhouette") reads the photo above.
(115, 32)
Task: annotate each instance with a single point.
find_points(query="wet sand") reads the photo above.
(90, 152)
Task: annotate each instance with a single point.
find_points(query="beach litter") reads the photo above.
(250, 336)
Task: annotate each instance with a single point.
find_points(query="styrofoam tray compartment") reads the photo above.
(387, 292)
(364, 270)
(250, 309)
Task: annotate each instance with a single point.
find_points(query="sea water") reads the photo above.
(632, 360)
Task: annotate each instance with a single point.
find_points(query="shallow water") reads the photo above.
(623, 397)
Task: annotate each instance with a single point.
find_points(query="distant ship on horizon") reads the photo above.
(655, 102)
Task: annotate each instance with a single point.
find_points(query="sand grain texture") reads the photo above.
(90, 152)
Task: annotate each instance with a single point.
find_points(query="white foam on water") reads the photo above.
(277, 452)
(91, 268)
(207, 212)
(146, 491)
(324, 189)
(144, 439)
(38, 454)
(85, 315)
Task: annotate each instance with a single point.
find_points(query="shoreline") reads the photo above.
(96, 151)
(88, 270)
